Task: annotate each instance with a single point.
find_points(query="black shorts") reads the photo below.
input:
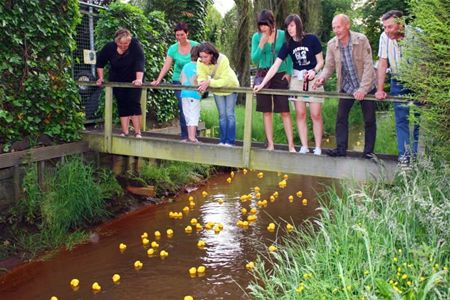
(128, 101)
(279, 104)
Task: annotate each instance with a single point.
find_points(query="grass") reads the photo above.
(386, 142)
(375, 241)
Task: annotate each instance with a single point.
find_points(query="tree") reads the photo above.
(329, 9)
(213, 25)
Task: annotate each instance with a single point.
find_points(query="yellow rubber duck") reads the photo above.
(257, 189)
(53, 298)
(192, 204)
(272, 248)
(250, 265)
(253, 210)
(204, 194)
(209, 225)
(229, 179)
(157, 234)
(198, 227)
(258, 195)
(220, 201)
(163, 254)
(188, 297)
(180, 215)
(217, 229)
(186, 209)
(154, 244)
(244, 224)
(239, 223)
(282, 184)
(243, 198)
(193, 271)
(289, 227)
(251, 218)
(145, 241)
(116, 278)
(96, 287)
(264, 203)
(272, 198)
(201, 269)
(188, 229)
(138, 265)
(299, 194)
(243, 211)
(275, 194)
(171, 215)
(285, 176)
(260, 175)
(190, 198)
(122, 247)
(75, 283)
(169, 232)
(194, 221)
(232, 174)
(144, 235)
(291, 198)
(305, 202)
(201, 244)
(244, 171)
(259, 204)
(271, 227)
(150, 252)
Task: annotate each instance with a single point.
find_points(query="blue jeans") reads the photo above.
(183, 127)
(227, 117)
(401, 111)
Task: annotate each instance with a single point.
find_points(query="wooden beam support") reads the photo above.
(247, 129)
(108, 120)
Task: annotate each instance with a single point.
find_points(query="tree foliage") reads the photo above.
(37, 93)
(161, 104)
(427, 69)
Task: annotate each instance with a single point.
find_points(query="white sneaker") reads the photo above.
(317, 151)
(303, 150)
(221, 144)
(228, 145)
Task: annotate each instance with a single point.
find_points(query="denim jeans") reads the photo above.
(183, 128)
(401, 111)
(227, 117)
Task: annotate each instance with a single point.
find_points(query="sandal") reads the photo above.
(123, 134)
(138, 135)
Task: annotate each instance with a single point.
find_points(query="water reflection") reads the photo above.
(224, 255)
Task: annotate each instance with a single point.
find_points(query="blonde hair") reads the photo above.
(122, 33)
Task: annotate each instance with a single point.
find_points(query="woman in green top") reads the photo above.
(178, 54)
(265, 45)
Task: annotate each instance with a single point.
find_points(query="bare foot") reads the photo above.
(292, 150)
(270, 148)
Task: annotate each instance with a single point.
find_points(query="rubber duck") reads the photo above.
(194, 221)
(259, 204)
(122, 247)
(192, 204)
(243, 198)
(243, 211)
(201, 269)
(275, 194)
(289, 227)
(244, 171)
(229, 179)
(244, 224)
(250, 265)
(231, 174)
(171, 215)
(96, 287)
(188, 229)
(53, 298)
(201, 244)
(258, 195)
(271, 227)
(145, 241)
(75, 283)
(209, 225)
(282, 184)
(257, 189)
(198, 227)
(193, 271)
(291, 198)
(260, 175)
(220, 201)
(239, 223)
(144, 235)
(138, 265)
(253, 210)
(272, 198)
(272, 248)
(217, 229)
(157, 234)
(169, 232)
(186, 209)
(154, 244)
(285, 176)
(163, 254)
(190, 198)
(264, 203)
(188, 297)
(251, 218)
(299, 194)
(180, 215)
(305, 202)
(150, 252)
(204, 194)
(116, 278)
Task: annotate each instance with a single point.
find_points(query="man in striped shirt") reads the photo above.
(390, 52)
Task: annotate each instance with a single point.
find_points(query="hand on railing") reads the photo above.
(319, 82)
(155, 82)
(99, 81)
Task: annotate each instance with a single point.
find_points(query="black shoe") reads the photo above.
(336, 153)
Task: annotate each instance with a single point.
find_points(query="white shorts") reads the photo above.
(191, 111)
(297, 85)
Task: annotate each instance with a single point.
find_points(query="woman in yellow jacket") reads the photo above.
(213, 69)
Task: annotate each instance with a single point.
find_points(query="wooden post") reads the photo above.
(144, 109)
(247, 143)
(16, 178)
(108, 120)
(40, 173)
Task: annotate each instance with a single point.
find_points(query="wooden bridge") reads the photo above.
(245, 154)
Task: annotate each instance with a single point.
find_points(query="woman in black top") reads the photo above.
(127, 61)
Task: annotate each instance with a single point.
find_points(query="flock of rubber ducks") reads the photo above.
(251, 216)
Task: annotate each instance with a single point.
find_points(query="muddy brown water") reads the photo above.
(224, 256)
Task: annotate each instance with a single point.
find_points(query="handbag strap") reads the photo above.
(216, 66)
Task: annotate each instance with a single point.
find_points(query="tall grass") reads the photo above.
(375, 241)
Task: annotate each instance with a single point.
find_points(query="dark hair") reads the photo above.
(392, 13)
(181, 26)
(265, 17)
(194, 53)
(209, 48)
(300, 34)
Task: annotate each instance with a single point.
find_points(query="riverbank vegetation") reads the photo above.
(376, 241)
